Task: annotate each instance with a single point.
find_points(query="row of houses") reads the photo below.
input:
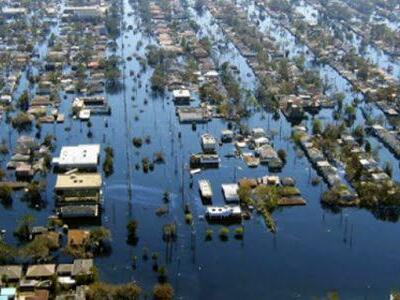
(29, 157)
(389, 138)
(35, 281)
(317, 158)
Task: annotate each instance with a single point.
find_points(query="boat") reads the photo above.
(205, 189)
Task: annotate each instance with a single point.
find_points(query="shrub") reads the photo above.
(5, 192)
(22, 121)
(132, 228)
(209, 233)
(189, 218)
(137, 142)
(282, 154)
(239, 231)
(163, 291)
(223, 233)
(159, 157)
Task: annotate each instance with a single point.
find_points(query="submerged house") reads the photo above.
(41, 271)
(78, 194)
(223, 212)
(193, 114)
(181, 96)
(230, 191)
(12, 273)
(208, 143)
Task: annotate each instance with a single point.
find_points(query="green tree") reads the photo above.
(132, 234)
(317, 126)
(163, 291)
(23, 101)
(24, 227)
(5, 192)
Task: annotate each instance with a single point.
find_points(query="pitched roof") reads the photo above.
(39, 295)
(63, 269)
(12, 272)
(76, 237)
(41, 270)
(82, 267)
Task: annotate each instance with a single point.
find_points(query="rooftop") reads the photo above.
(181, 93)
(76, 237)
(81, 155)
(12, 272)
(82, 267)
(78, 181)
(40, 271)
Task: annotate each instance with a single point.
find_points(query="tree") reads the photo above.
(38, 249)
(163, 291)
(132, 227)
(317, 126)
(359, 132)
(32, 194)
(159, 79)
(368, 147)
(98, 238)
(5, 192)
(23, 231)
(388, 168)
(350, 112)
(267, 197)
(244, 193)
(108, 165)
(23, 101)
(282, 155)
(7, 253)
(22, 121)
(129, 291)
(100, 290)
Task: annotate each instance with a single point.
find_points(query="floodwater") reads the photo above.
(314, 250)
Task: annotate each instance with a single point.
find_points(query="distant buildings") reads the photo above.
(87, 13)
(12, 12)
(33, 282)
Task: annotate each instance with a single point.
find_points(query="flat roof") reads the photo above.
(78, 180)
(14, 10)
(8, 291)
(230, 191)
(78, 155)
(181, 93)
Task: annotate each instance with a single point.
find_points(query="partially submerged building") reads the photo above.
(78, 194)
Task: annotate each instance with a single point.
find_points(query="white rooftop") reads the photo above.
(230, 191)
(78, 156)
(181, 93)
